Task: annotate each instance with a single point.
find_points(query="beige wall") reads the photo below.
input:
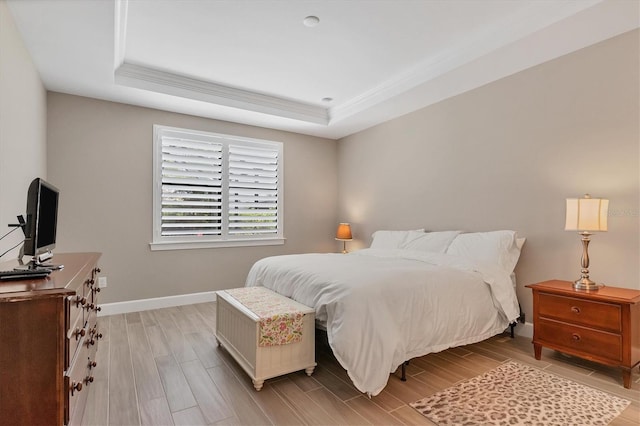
(505, 156)
(502, 156)
(22, 127)
(100, 156)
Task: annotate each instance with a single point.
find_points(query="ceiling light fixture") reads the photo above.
(311, 21)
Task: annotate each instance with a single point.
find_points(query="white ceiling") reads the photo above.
(255, 62)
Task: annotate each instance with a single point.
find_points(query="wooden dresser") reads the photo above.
(601, 326)
(48, 342)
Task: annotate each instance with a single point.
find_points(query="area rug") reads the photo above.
(515, 394)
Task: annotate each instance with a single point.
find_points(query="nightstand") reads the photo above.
(601, 326)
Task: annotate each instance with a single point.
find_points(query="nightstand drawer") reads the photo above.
(604, 316)
(585, 341)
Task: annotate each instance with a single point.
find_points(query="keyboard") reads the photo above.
(23, 274)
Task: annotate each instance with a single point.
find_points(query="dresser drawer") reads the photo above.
(78, 379)
(604, 316)
(580, 340)
(75, 328)
(75, 335)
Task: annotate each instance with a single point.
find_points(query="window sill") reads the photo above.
(189, 245)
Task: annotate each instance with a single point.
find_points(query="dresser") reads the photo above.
(601, 326)
(48, 342)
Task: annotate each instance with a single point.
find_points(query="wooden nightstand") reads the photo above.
(601, 326)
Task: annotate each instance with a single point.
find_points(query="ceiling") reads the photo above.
(256, 62)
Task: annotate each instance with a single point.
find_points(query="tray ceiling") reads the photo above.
(256, 62)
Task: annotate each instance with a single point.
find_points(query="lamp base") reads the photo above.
(586, 284)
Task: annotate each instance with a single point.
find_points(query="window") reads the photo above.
(214, 190)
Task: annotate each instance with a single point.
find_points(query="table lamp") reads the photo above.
(586, 215)
(344, 234)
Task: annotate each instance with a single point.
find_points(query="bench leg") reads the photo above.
(258, 384)
(309, 370)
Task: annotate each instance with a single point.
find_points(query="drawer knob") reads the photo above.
(575, 337)
(97, 308)
(76, 387)
(90, 342)
(92, 364)
(79, 332)
(99, 336)
(81, 300)
(88, 379)
(97, 270)
(575, 309)
(96, 290)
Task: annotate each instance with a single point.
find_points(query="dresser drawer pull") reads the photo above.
(79, 332)
(75, 387)
(575, 337)
(92, 364)
(88, 379)
(81, 300)
(575, 309)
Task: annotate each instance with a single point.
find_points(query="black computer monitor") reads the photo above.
(42, 218)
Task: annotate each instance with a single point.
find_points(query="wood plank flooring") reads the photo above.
(163, 367)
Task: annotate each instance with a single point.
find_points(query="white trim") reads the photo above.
(173, 245)
(155, 303)
(120, 33)
(155, 80)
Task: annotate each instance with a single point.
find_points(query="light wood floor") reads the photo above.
(164, 367)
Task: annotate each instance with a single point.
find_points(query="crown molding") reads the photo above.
(120, 31)
(156, 80)
(147, 78)
(523, 24)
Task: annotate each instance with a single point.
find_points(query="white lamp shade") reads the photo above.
(586, 214)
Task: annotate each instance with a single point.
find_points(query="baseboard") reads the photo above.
(524, 330)
(155, 303)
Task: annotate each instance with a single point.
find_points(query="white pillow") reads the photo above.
(495, 247)
(390, 240)
(434, 242)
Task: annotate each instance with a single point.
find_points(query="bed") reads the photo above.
(409, 294)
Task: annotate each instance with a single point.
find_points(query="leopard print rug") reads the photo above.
(515, 394)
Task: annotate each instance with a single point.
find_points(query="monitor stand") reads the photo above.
(37, 262)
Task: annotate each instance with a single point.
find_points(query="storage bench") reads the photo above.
(239, 331)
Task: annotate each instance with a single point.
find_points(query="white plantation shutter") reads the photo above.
(253, 190)
(217, 189)
(191, 187)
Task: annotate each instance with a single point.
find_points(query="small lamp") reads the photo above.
(344, 234)
(586, 215)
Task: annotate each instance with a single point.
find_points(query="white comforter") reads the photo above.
(383, 307)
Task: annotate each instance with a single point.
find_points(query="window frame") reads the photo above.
(160, 242)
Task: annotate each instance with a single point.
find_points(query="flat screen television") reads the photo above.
(42, 218)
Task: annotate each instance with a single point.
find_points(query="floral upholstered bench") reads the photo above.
(267, 334)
